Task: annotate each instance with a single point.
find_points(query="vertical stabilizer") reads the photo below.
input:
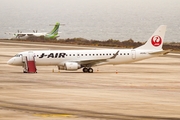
(155, 42)
(54, 31)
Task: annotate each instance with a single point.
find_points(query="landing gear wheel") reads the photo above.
(90, 70)
(85, 70)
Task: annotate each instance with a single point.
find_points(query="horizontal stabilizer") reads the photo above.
(164, 52)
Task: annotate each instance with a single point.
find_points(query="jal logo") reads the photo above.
(156, 40)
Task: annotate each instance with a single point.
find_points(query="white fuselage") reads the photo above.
(27, 35)
(59, 57)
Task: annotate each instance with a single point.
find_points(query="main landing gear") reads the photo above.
(87, 70)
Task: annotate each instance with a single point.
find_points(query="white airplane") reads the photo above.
(53, 34)
(86, 59)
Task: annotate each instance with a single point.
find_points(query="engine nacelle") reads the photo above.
(71, 66)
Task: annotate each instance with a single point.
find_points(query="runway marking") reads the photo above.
(45, 115)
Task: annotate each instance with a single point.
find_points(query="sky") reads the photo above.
(92, 19)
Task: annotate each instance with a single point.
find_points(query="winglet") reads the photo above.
(114, 56)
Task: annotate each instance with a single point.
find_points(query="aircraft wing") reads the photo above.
(30, 35)
(35, 34)
(164, 52)
(91, 62)
(20, 33)
(95, 61)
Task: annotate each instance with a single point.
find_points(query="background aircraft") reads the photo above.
(53, 34)
(86, 59)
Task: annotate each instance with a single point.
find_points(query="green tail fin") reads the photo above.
(55, 29)
(54, 33)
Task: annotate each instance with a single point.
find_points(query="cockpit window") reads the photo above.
(17, 55)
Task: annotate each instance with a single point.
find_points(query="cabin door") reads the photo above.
(133, 52)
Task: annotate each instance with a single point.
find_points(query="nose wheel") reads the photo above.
(87, 70)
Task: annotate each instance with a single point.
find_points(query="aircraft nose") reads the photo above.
(10, 61)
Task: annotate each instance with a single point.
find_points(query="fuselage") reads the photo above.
(59, 57)
(33, 35)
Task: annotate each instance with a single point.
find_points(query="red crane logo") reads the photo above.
(156, 40)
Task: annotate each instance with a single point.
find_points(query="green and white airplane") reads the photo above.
(53, 34)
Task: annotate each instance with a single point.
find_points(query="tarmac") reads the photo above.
(148, 89)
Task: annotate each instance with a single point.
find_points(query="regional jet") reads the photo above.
(72, 60)
(53, 34)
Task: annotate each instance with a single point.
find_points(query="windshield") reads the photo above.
(17, 55)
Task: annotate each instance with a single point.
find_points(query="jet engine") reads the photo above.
(71, 66)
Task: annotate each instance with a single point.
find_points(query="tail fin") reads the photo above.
(155, 42)
(55, 29)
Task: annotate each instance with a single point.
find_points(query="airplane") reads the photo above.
(53, 34)
(72, 60)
